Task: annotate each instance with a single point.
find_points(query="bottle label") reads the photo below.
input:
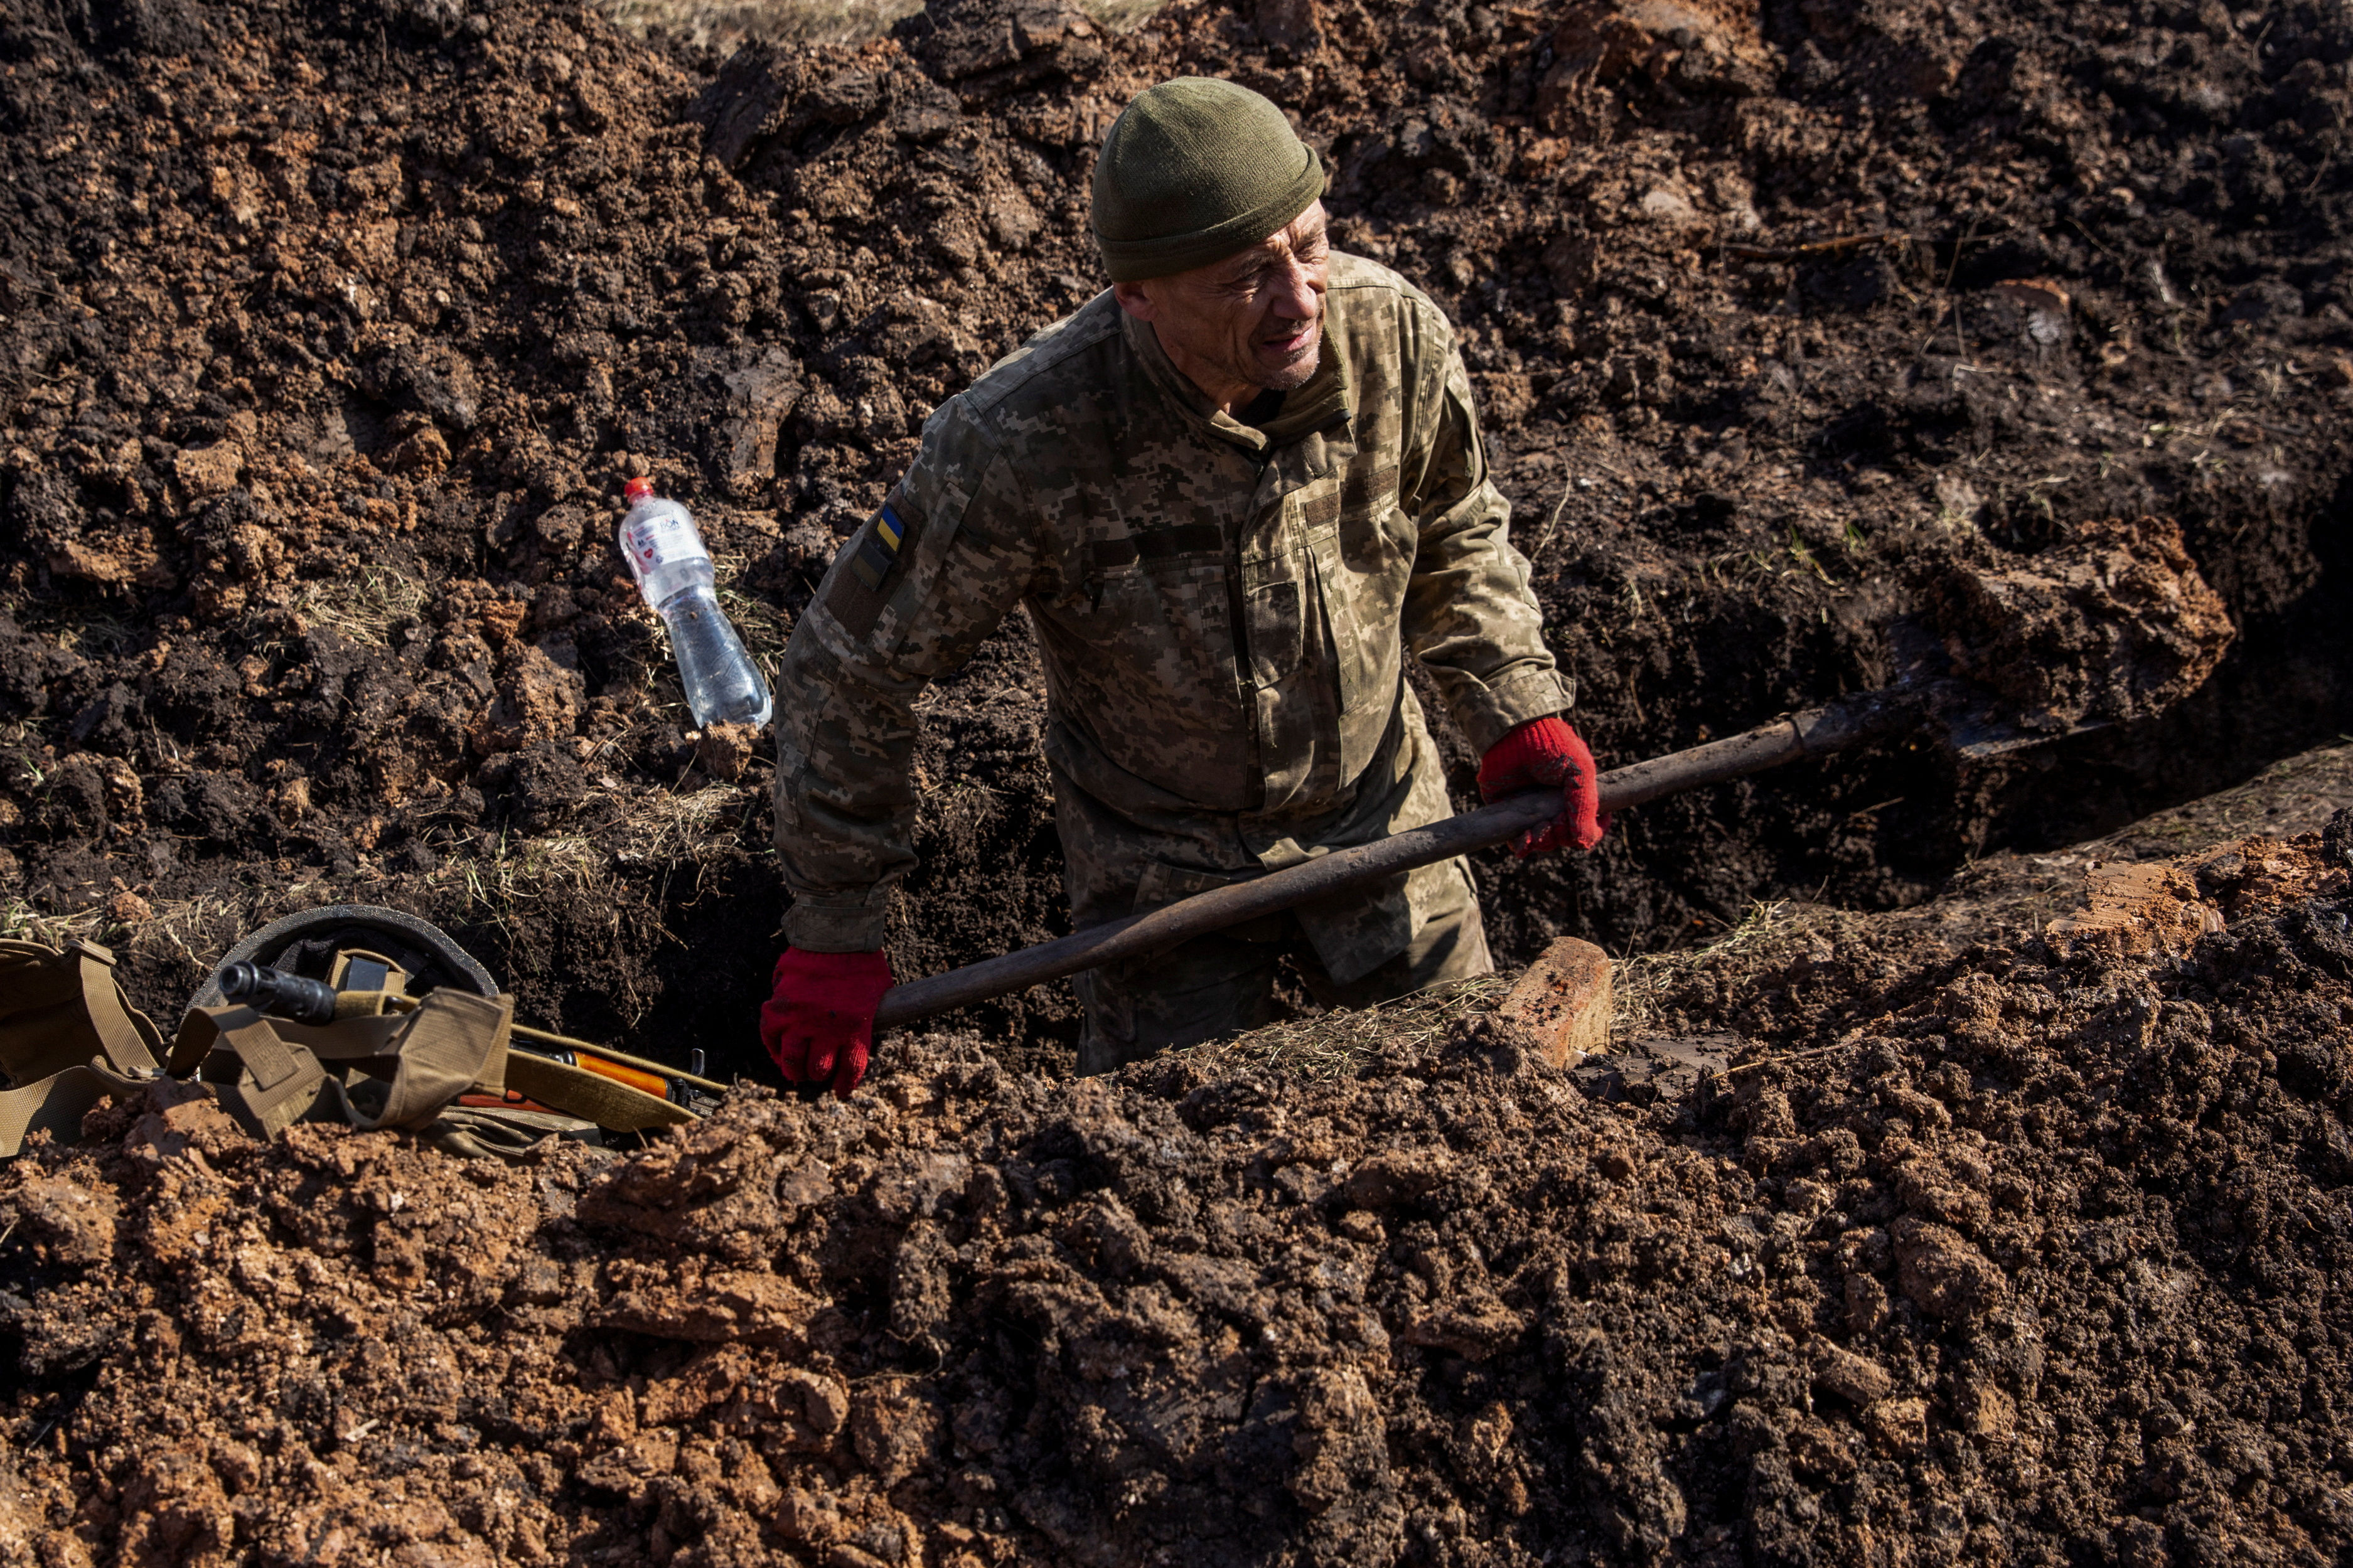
(663, 541)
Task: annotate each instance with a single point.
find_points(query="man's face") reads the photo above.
(1248, 323)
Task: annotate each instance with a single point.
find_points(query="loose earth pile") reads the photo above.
(2039, 1259)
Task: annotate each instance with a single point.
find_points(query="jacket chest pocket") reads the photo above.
(1152, 611)
(1276, 623)
(1113, 563)
(1375, 537)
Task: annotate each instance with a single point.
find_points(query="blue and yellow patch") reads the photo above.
(878, 551)
(881, 547)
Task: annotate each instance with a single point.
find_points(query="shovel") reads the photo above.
(1970, 722)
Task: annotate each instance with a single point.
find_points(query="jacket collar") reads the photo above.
(1325, 401)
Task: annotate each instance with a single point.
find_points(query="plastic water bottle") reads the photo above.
(673, 572)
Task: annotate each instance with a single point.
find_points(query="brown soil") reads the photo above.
(332, 330)
(2029, 1254)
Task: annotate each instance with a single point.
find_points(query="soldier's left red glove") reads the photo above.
(1540, 754)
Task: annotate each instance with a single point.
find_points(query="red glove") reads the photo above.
(1547, 752)
(821, 1022)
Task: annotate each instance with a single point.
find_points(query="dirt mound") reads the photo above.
(2020, 1256)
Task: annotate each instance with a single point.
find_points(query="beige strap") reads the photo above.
(54, 1105)
(60, 1009)
(198, 1034)
(453, 1043)
(269, 1063)
(344, 1040)
(132, 1042)
(365, 1043)
(573, 1091)
(579, 1092)
(268, 1071)
(69, 1037)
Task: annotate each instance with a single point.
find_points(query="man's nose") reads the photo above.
(1295, 298)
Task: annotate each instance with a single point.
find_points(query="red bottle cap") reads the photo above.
(638, 489)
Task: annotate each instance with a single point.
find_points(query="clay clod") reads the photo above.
(1942, 1273)
(2112, 622)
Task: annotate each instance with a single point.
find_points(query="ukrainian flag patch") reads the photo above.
(878, 551)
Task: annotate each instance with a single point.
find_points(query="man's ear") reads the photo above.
(1134, 301)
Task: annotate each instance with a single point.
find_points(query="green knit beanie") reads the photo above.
(1193, 171)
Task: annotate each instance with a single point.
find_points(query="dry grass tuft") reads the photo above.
(20, 922)
(763, 627)
(1336, 1044)
(1771, 933)
(190, 929)
(1639, 980)
(726, 25)
(362, 610)
(88, 630)
(780, 21)
(1339, 1043)
(682, 827)
(656, 826)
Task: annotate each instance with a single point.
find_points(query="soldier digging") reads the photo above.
(1233, 489)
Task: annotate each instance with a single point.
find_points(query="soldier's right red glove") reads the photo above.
(1541, 753)
(819, 1024)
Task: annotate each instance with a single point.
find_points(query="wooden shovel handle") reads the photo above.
(1812, 733)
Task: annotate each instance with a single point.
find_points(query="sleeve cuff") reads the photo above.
(837, 925)
(1489, 714)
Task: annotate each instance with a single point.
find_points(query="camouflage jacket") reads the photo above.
(1222, 609)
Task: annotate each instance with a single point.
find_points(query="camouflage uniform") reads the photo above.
(1222, 610)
